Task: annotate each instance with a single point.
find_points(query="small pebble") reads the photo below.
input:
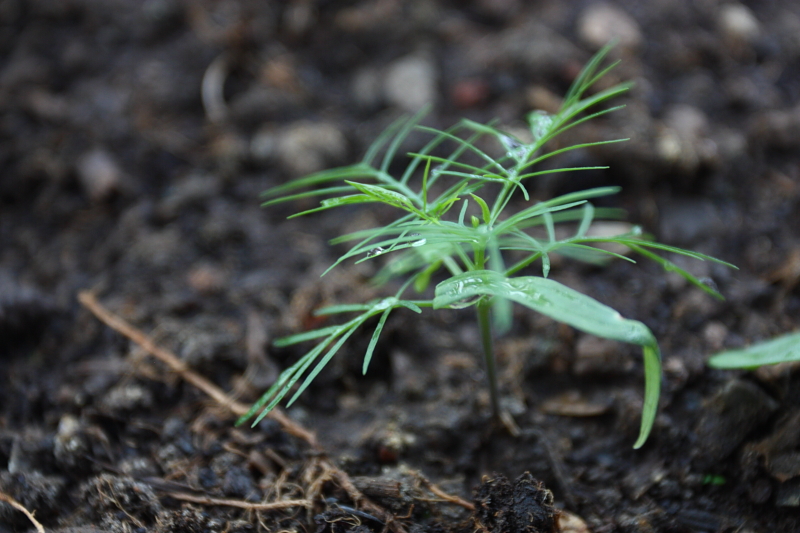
(99, 174)
(410, 83)
(715, 334)
(730, 416)
(601, 23)
(737, 23)
(307, 147)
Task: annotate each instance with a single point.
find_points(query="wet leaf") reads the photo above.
(569, 306)
(783, 349)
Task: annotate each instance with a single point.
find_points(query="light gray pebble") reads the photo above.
(603, 22)
(306, 147)
(410, 83)
(99, 174)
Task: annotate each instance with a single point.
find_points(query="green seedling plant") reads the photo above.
(781, 349)
(483, 255)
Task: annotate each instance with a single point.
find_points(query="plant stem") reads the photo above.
(488, 354)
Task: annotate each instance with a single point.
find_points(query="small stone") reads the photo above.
(264, 145)
(729, 417)
(715, 334)
(299, 17)
(572, 523)
(687, 120)
(682, 141)
(138, 467)
(127, 397)
(601, 23)
(737, 23)
(70, 447)
(307, 147)
(99, 174)
(410, 83)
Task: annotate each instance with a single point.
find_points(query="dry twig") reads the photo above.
(206, 500)
(181, 368)
(327, 471)
(438, 492)
(19, 507)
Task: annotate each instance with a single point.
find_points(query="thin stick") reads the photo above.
(438, 492)
(181, 368)
(19, 507)
(88, 300)
(206, 500)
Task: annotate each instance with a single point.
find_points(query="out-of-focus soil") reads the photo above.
(135, 138)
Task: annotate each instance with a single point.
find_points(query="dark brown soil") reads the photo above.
(135, 138)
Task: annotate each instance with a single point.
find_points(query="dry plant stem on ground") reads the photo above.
(223, 502)
(323, 469)
(19, 507)
(175, 364)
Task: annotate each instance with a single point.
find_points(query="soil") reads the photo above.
(135, 138)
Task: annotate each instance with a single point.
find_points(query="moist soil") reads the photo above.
(135, 138)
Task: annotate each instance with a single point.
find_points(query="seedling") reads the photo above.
(782, 349)
(482, 255)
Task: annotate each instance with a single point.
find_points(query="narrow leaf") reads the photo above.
(783, 349)
(570, 307)
(306, 336)
(374, 340)
(382, 194)
(484, 208)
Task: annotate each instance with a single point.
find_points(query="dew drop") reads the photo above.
(540, 122)
(514, 149)
(466, 302)
(375, 251)
(710, 283)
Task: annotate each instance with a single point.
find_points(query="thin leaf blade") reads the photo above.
(782, 349)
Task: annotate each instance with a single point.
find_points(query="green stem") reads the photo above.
(488, 354)
(499, 202)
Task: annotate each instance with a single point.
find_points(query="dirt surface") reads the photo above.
(135, 138)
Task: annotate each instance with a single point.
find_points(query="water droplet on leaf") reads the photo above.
(466, 302)
(514, 149)
(540, 123)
